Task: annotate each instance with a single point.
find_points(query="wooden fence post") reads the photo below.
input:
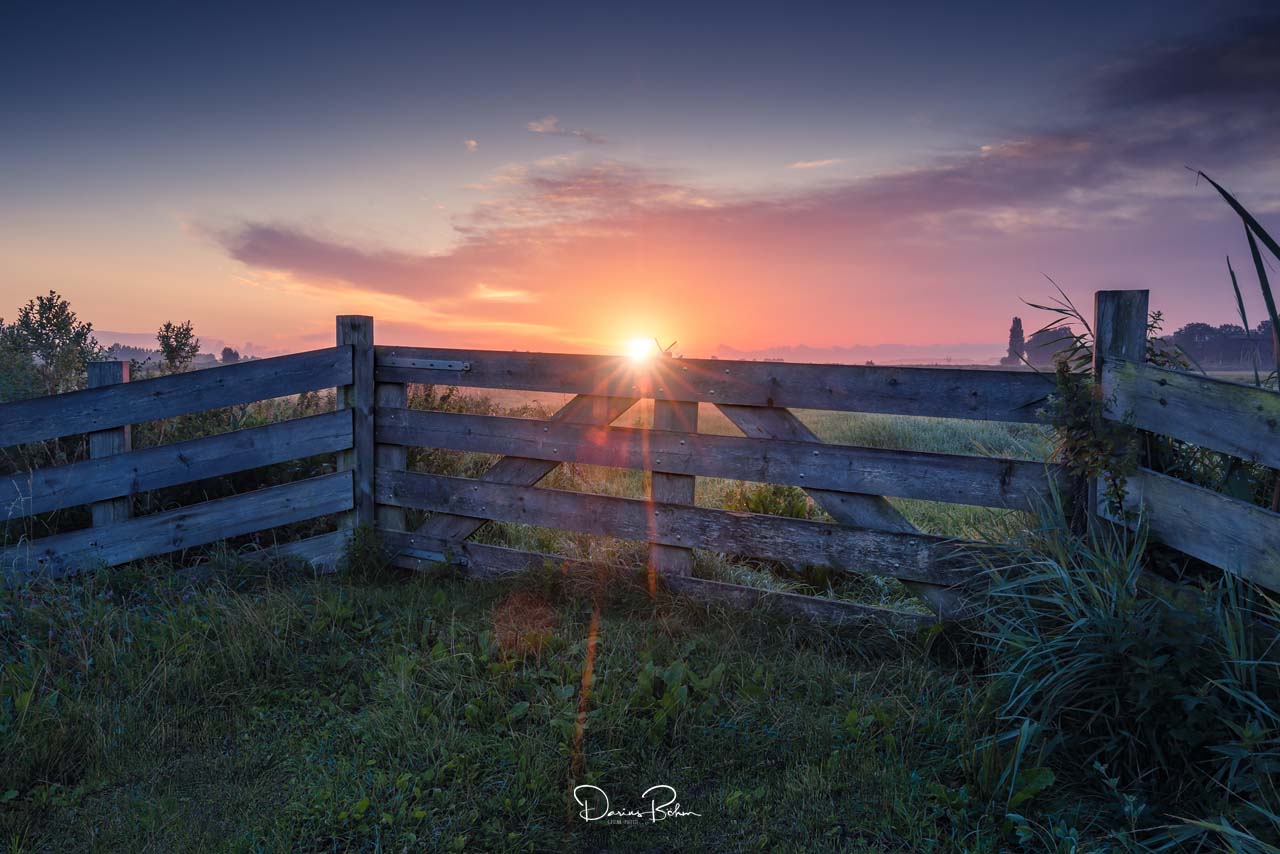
(680, 416)
(357, 331)
(391, 396)
(106, 443)
(1120, 332)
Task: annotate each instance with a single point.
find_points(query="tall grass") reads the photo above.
(1169, 695)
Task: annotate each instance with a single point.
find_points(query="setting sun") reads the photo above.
(641, 349)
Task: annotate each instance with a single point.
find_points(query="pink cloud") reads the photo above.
(935, 253)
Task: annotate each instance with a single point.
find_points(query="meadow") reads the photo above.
(251, 706)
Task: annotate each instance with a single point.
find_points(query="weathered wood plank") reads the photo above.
(941, 392)
(829, 612)
(525, 472)
(174, 530)
(476, 559)
(390, 396)
(915, 557)
(484, 561)
(48, 489)
(863, 510)
(164, 397)
(664, 488)
(323, 551)
(1236, 419)
(356, 331)
(806, 463)
(1240, 538)
(107, 443)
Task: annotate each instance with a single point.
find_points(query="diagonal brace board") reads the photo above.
(520, 471)
(847, 508)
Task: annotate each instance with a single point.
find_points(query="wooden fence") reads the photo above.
(372, 429)
(1240, 420)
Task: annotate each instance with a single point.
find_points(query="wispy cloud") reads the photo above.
(492, 294)
(550, 126)
(816, 164)
(473, 145)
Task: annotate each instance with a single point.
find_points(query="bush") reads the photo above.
(1173, 695)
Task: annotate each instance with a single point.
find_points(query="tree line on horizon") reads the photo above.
(1226, 347)
(46, 348)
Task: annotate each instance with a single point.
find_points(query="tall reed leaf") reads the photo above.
(1250, 223)
(1244, 319)
(1252, 229)
(1266, 295)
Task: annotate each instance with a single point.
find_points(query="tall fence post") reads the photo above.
(1119, 332)
(106, 443)
(357, 331)
(680, 416)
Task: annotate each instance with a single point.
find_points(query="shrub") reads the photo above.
(179, 345)
(45, 350)
(1172, 694)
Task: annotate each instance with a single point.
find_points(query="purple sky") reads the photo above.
(567, 178)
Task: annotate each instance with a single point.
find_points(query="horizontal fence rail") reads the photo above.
(114, 472)
(174, 530)
(485, 561)
(982, 394)
(47, 489)
(1236, 419)
(907, 474)
(915, 557)
(521, 471)
(1240, 538)
(848, 482)
(178, 394)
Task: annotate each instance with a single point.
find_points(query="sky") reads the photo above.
(839, 180)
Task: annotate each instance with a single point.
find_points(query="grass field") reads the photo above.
(253, 707)
(431, 714)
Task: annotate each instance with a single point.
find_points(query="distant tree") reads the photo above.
(19, 378)
(1268, 342)
(122, 352)
(1227, 346)
(229, 356)
(178, 345)
(1194, 339)
(1268, 346)
(1045, 344)
(1017, 344)
(45, 350)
